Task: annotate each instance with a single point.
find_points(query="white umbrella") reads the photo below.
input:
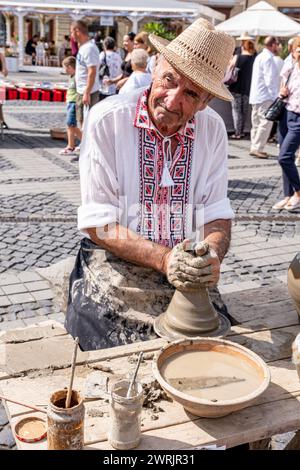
(262, 19)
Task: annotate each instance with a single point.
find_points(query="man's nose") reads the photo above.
(174, 99)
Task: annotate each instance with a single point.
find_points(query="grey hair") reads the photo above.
(139, 57)
(109, 43)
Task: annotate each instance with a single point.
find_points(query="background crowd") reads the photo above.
(98, 69)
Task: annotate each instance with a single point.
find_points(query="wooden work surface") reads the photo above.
(35, 361)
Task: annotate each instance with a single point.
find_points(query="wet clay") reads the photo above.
(61, 403)
(32, 429)
(211, 375)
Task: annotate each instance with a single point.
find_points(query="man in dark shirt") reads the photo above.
(30, 47)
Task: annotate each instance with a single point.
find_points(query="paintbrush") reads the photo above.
(131, 385)
(69, 394)
(23, 404)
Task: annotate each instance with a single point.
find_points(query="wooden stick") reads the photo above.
(69, 394)
(23, 404)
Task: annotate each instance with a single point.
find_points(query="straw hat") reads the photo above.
(201, 54)
(245, 37)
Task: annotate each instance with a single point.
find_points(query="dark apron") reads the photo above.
(113, 302)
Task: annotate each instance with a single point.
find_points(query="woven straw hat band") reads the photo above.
(201, 54)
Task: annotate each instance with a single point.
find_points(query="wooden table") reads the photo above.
(35, 361)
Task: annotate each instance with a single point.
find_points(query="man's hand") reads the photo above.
(190, 270)
(86, 99)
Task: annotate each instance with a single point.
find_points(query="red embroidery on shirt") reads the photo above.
(162, 216)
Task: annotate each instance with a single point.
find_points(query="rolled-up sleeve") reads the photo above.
(215, 200)
(99, 184)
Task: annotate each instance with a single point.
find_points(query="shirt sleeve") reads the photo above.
(271, 77)
(92, 56)
(215, 200)
(98, 180)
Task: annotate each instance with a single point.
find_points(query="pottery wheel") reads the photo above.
(163, 330)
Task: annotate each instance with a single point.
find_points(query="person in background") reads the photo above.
(74, 46)
(263, 91)
(63, 49)
(139, 77)
(240, 90)
(243, 37)
(98, 40)
(128, 45)
(141, 41)
(4, 71)
(87, 70)
(52, 48)
(114, 62)
(289, 59)
(290, 138)
(279, 62)
(69, 64)
(30, 47)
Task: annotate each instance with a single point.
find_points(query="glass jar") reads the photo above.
(125, 416)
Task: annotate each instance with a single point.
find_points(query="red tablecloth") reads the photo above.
(36, 94)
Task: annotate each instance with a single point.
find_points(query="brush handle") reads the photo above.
(134, 376)
(69, 394)
(32, 407)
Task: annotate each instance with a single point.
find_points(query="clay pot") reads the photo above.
(294, 281)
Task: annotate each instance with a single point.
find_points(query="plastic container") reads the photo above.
(65, 425)
(125, 416)
(104, 85)
(31, 429)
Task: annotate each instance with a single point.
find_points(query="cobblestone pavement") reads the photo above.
(39, 196)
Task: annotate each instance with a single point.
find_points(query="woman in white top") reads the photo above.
(113, 61)
(139, 77)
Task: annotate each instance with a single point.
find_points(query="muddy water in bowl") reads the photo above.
(210, 375)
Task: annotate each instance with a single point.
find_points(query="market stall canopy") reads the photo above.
(118, 6)
(261, 19)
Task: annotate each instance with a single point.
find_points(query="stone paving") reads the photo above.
(39, 196)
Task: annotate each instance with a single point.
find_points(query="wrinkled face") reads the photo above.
(127, 43)
(173, 99)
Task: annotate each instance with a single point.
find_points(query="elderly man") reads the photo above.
(149, 161)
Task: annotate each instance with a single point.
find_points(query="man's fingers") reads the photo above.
(199, 261)
(185, 286)
(194, 272)
(201, 248)
(208, 279)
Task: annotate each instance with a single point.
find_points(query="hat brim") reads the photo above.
(187, 68)
(246, 38)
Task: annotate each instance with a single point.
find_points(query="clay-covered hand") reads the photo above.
(190, 269)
